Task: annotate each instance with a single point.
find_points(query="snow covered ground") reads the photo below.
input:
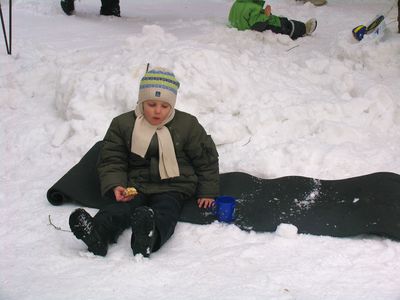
(322, 106)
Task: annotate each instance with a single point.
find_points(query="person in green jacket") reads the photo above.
(165, 156)
(251, 15)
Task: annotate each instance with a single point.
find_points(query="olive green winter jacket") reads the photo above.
(244, 14)
(195, 152)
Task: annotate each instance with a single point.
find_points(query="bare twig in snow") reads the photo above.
(247, 142)
(56, 227)
(292, 48)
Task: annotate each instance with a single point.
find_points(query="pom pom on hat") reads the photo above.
(159, 84)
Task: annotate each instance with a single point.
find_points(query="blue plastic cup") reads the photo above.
(225, 208)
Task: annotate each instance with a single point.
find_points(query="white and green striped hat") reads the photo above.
(159, 84)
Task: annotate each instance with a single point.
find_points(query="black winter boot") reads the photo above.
(68, 6)
(144, 232)
(110, 8)
(83, 227)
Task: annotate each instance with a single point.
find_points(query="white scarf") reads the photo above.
(141, 137)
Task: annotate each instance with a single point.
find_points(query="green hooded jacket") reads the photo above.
(245, 13)
(195, 152)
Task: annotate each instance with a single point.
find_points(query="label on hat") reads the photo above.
(158, 94)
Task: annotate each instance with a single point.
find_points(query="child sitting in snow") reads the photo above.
(162, 152)
(250, 14)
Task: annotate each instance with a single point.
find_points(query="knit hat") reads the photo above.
(159, 84)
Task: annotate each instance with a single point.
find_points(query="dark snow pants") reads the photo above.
(292, 28)
(110, 7)
(109, 4)
(113, 219)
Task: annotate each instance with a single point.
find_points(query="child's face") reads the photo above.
(156, 111)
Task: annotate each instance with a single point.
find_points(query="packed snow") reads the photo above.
(324, 106)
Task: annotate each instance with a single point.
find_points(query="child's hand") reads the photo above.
(205, 202)
(120, 194)
(268, 10)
